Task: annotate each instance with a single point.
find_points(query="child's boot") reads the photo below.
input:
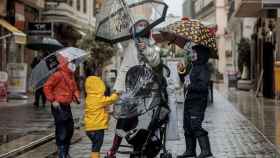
(95, 155)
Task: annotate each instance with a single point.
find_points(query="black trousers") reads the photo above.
(64, 124)
(194, 110)
(39, 93)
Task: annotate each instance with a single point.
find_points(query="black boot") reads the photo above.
(190, 147)
(205, 147)
(61, 151)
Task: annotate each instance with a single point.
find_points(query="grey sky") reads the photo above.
(175, 6)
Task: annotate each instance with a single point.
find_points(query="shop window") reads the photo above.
(78, 5)
(85, 6)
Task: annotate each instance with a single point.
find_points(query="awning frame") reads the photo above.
(19, 36)
(6, 36)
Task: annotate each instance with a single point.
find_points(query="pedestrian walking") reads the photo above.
(196, 94)
(39, 93)
(61, 90)
(96, 113)
(211, 81)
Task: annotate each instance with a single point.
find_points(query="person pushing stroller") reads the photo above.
(132, 57)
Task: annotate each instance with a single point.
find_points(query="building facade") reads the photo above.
(214, 13)
(70, 20)
(188, 9)
(15, 16)
(259, 21)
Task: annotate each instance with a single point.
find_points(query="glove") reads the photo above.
(170, 86)
(55, 104)
(124, 96)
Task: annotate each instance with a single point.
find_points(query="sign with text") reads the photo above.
(17, 82)
(39, 28)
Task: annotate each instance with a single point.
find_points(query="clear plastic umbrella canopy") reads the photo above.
(142, 93)
(50, 64)
(117, 16)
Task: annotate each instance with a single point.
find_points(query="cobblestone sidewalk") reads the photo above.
(231, 135)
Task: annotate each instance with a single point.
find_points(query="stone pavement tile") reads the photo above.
(231, 135)
(14, 102)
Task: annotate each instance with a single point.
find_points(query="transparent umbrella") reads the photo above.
(117, 16)
(50, 64)
(142, 93)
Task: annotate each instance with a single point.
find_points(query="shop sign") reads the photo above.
(3, 86)
(39, 28)
(17, 77)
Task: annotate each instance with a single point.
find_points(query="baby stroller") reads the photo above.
(145, 95)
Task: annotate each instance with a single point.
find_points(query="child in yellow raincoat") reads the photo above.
(96, 115)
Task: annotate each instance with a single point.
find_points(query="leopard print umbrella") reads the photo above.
(195, 31)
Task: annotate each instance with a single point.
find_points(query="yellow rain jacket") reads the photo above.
(96, 115)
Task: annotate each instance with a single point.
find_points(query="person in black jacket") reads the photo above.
(38, 92)
(196, 95)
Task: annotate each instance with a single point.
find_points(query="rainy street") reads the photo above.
(139, 78)
(239, 125)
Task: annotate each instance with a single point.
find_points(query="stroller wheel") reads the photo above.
(166, 155)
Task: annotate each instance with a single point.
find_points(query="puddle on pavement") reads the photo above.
(5, 138)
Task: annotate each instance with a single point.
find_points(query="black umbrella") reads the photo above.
(117, 16)
(43, 43)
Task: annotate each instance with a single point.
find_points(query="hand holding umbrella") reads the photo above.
(190, 30)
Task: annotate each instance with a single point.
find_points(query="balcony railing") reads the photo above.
(67, 14)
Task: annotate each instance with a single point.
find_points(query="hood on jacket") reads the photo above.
(94, 85)
(63, 64)
(202, 54)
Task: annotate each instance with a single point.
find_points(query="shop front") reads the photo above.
(12, 44)
(265, 67)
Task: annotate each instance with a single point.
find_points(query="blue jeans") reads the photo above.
(64, 124)
(97, 138)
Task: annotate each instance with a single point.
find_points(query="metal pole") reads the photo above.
(52, 27)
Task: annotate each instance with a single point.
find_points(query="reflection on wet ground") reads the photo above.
(263, 113)
(5, 138)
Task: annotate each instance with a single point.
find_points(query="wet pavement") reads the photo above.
(263, 113)
(231, 134)
(22, 124)
(237, 123)
(22, 120)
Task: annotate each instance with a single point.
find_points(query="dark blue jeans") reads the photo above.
(64, 124)
(97, 138)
